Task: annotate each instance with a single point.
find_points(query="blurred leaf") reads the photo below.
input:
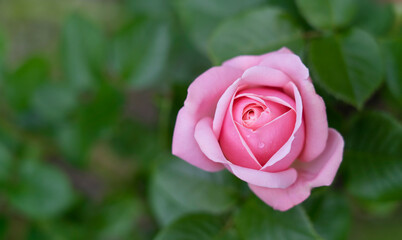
(380, 209)
(101, 112)
(140, 51)
(374, 157)
(178, 188)
(2, 56)
(349, 66)
(330, 215)
(142, 144)
(42, 191)
(53, 102)
(393, 59)
(3, 227)
(255, 32)
(22, 84)
(151, 7)
(287, 5)
(328, 14)
(5, 163)
(256, 221)
(83, 52)
(57, 230)
(118, 219)
(375, 16)
(94, 118)
(193, 227)
(72, 146)
(200, 17)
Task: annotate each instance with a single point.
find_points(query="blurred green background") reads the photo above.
(90, 89)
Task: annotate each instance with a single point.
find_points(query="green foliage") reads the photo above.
(198, 191)
(373, 157)
(393, 58)
(193, 227)
(42, 192)
(82, 51)
(5, 164)
(330, 215)
(349, 65)
(374, 17)
(23, 83)
(200, 17)
(255, 32)
(256, 220)
(328, 14)
(140, 51)
(89, 97)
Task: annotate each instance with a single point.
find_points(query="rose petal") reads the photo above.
(267, 140)
(205, 91)
(243, 62)
(315, 119)
(319, 172)
(211, 148)
(222, 107)
(264, 76)
(288, 63)
(257, 75)
(287, 147)
(185, 146)
(233, 144)
(203, 95)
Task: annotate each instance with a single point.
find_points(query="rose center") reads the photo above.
(251, 113)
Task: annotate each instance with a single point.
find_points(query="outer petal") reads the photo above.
(319, 172)
(243, 62)
(265, 76)
(210, 146)
(201, 101)
(185, 146)
(246, 61)
(288, 63)
(204, 93)
(315, 119)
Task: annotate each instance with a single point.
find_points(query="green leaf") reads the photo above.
(373, 157)
(393, 59)
(150, 7)
(140, 51)
(42, 191)
(328, 14)
(2, 56)
(375, 17)
(178, 188)
(256, 221)
(255, 32)
(330, 215)
(83, 52)
(193, 227)
(5, 163)
(3, 227)
(117, 218)
(53, 102)
(22, 84)
(200, 17)
(100, 112)
(349, 66)
(94, 118)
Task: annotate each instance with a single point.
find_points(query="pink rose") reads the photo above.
(260, 117)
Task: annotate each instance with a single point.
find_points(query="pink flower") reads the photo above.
(260, 118)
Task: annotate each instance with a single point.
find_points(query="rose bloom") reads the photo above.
(260, 118)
